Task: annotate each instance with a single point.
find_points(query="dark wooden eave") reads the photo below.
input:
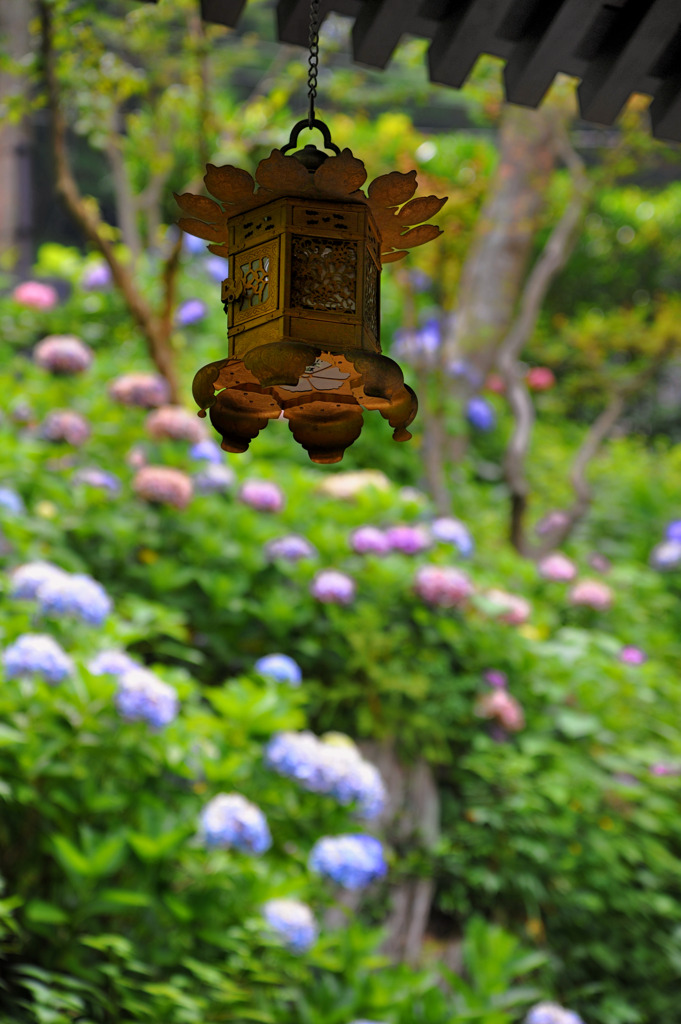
(615, 48)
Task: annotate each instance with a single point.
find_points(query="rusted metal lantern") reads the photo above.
(305, 252)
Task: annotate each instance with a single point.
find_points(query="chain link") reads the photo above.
(313, 62)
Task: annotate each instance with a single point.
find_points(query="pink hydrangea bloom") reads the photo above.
(442, 586)
(540, 378)
(410, 540)
(175, 423)
(147, 390)
(503, 708)
(332, 587)
(591, 594)
(63, 353)
(36, 295)
(631, 655)
(262, 495)
(558, 568)
(552, 521)
(510, 608)
(369, 540)
(163, 485)
(65, 425)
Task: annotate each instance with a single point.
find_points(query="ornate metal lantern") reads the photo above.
(305, 252)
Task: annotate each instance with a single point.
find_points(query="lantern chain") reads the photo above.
(313, 61)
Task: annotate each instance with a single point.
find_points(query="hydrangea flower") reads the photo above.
(163, 485)
(74, 594)
(410, 540)
(666, 555)
(262, 495)
(631, 655)
(102, 479)
(12, 502)
(495, 678)
(333, 766)
(367, 1021)
(229, 820)
(673, 530)
(217, 267)
(662, 768)
(63, 353)
(207, 450)
(37, 654)
(111, 663)
(552, 521)
(146, 390)
(190, 312)
(36, 295)
(292, 548)
(480, 414)
(332, 587)
(293, 921)
(96, 276)
(419, 347)
(174, 423)
(509, 608)
(352, 861)
(557, 567)
(448, 530)
(501, 706)
(26, 579)
(369, 540)
(65, 425)
(540, 378)
(213, 479)
(280, 668)
(552, 1013)
(349, 484)
(142, 697)
(442, 586)
(591, 594)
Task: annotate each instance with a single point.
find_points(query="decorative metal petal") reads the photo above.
(208, 231)
(340, 175)
(202, 207)
(420, 209)
(282, 174)
(229, 184)
(392, 189)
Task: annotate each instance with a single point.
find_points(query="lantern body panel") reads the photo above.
(303, 269)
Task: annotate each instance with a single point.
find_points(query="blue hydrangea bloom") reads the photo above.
(352, 861)
(666, 555)
(142, 697)
(217, 267)
(213, 479)
(333, 766)
(97, 276)
(26, 579)
(11, 501)
(111, 663)
(448, 530)
(190, 312)
(193, 245)
(229, 820)
(281, 668)
(37, 654)
(673, 531)
(102, 479)
(293, 922)
(75, 594)
(552, 1013)
(208, 451)
(367, 1021)
(291, 548)
(480, 414)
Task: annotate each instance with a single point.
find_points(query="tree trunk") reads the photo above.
(16, 220)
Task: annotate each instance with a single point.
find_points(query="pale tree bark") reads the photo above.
(16, 220)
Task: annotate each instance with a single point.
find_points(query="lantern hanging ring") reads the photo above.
(306, 246)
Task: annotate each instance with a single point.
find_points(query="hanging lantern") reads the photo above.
(305, 252)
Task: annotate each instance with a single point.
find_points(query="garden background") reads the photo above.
(488, 615)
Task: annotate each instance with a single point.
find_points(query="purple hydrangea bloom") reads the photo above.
(332, 587)
(102, 479)
(552, 1013)
(217, 267)
(74, 594)
(448, 530)
(292, 548)
(97, 276)
(369, 540)
(208, 451)
(631, 655)
(328, 766)
(190, 312)
(192, 244)
(462, 368)
(662, 768)
(363, 1021)
(495, 678)
(480, 414)
(111, 663)
(352, 861)
(666, 555)
(26, 580)
(229, 820)
(410, 540)
(37, 654)
(213, 479)
(11, 501)
(419, 347)
(142, 697)
(673, 531)
(281, 668)
(262, 495)
(293, 922)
